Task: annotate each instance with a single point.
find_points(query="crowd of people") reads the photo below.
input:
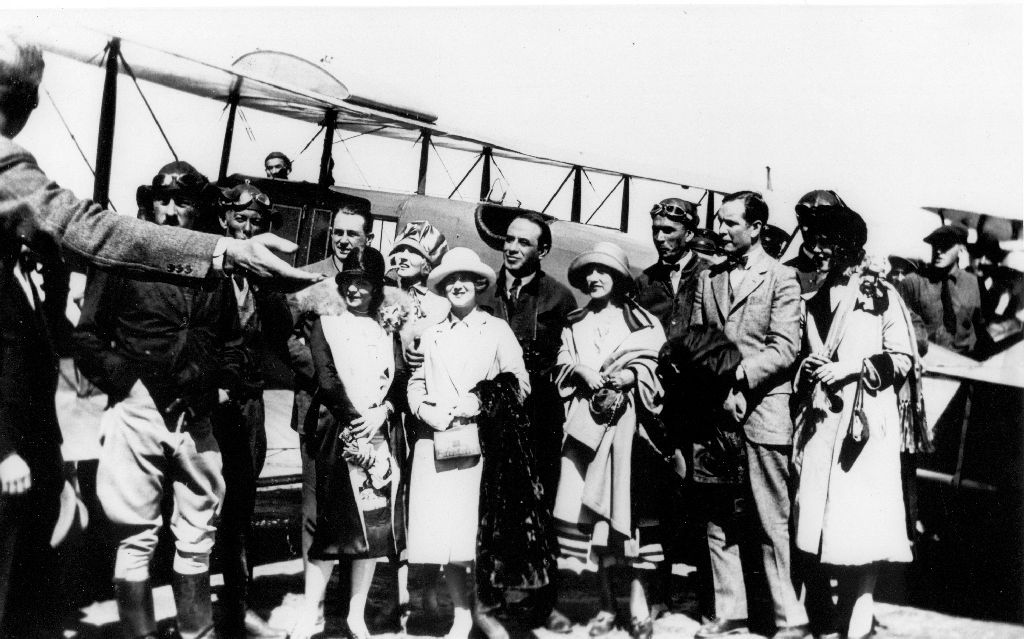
(476, 422)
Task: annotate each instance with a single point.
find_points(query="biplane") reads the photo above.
(291, 87)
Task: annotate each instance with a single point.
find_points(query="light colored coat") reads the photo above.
(764, 322)
(852, 513)
(444, 495)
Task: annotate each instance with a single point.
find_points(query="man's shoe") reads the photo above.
(256, 628)
(793, 632)
(557, 622)
(722, 628)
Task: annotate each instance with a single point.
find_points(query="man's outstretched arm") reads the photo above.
(37, 212)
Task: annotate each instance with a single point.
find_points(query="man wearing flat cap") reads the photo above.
(944, 300)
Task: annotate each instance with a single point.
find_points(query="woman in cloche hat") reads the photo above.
(355, 441)
(606, 375)
(417, 250)
(464, 349)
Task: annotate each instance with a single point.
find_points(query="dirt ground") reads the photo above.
(278, 589)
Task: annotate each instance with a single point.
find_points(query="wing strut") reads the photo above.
(229, 130)
(421, 183)
(624, 215)
(577, 194)
(485, 174)
(710, 215)
(326, 163)
(108, 112)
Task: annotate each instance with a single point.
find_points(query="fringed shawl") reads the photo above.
(607, 483)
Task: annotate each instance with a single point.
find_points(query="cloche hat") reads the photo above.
(604, 253)
(424, 238)
(459, 260)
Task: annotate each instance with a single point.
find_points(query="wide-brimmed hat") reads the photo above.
(604, 253)
(366, 263)
(459, 260)
(424, 238)
(177, 178)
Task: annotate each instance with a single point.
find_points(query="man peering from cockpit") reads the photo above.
(277, 165)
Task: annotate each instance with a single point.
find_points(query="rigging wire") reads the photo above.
(352, 137)
(311, 140)
(621, 179)
(356, 164)
(248, 128)
(131, 74)
(445, 166)
(75, 140)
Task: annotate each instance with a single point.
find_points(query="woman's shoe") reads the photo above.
(658, 611)
(558, 622)
(601, 624)
(641, 629)
(305, 628)
(348, 633)
(489, 625)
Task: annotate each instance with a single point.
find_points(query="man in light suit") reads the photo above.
(756, 301)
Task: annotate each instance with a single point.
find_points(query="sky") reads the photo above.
(895, 108)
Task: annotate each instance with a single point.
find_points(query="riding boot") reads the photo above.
(195, 611)
(135, 608)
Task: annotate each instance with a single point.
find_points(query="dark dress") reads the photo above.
(353, 518)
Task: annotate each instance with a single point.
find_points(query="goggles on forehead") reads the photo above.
(245, 199)
(673, 211)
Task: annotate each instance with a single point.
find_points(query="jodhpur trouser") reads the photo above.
(142, 455)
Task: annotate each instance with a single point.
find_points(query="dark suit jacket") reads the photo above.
(764, 322)
(537, 317)
(28, 374)
(35, 208)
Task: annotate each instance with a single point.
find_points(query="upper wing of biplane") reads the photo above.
(296, 88)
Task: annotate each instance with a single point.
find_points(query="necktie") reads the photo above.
(513, 293)
(948, 311)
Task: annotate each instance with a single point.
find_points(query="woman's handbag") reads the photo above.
(858, 430)
(458, 441)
